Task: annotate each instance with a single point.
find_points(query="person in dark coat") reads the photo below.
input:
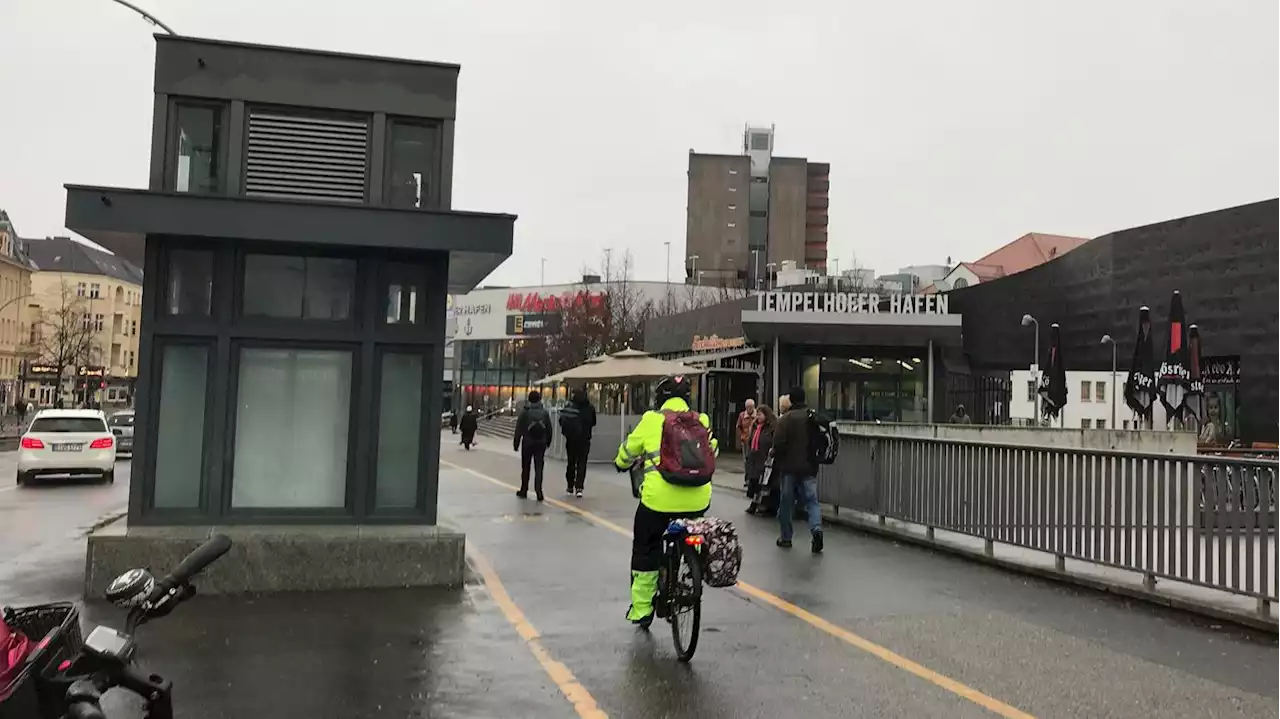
(531, 439)
(798, 470)
(453, 421)
(576, 422)
(467, 425)
(759, 442)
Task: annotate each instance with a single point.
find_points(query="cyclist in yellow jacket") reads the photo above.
(660, 501)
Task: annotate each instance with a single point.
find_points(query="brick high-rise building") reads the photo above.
(748, 213)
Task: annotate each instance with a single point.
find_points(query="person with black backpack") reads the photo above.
(532, 437)
(795, 460)
(576, 422)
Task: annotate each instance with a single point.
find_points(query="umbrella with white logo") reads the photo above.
(1173, 378)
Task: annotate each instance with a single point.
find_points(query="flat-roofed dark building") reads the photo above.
(299, 245)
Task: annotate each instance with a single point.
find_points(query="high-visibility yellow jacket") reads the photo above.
(644, 443)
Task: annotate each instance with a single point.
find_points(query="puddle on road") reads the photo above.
(523, 517)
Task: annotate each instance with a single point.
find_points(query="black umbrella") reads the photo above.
(1173, 379)
(1140, 385)
(1053, 383)
(1193, 402)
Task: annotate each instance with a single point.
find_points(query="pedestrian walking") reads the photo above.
(760, 442)
(532, 436)
(746, 418)
(960, 416)
(453, 421)
(468, 425)
(576, 422)
(794, 461)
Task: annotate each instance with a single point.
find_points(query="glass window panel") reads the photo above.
(411, 165)
(180, 426)
(399, 430)
(291, 287)
(402, 294)
(292, 416)
(190, 286)
(198, 149)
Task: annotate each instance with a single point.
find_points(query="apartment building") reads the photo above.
(749, 213)
(15, 287)
(103, 293)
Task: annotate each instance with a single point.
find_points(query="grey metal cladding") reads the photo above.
(299, 156)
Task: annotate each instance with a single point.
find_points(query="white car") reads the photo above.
(67, 442)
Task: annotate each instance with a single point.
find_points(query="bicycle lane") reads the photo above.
(568, 575)
(1022, 644)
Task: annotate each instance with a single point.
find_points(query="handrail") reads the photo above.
(1069, 450)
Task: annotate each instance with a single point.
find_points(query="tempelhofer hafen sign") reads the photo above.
(853, 302)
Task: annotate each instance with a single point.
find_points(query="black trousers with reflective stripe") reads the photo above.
(646, 536)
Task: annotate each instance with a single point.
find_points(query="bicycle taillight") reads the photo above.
(693, 540)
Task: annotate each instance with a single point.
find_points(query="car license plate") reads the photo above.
(68, 447)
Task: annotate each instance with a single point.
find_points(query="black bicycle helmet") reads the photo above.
(676, 385)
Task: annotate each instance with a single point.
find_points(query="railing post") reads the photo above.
(1059, 563)
(989, 548)
(1264, 606)
(1149, 581)
(928, 533)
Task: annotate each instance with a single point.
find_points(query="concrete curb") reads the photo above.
(1245, 619)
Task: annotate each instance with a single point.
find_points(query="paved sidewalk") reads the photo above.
(1036, 648)
(871, 628)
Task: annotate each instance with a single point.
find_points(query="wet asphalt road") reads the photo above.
(1043, 649)
(1036, 646)
(42, 530)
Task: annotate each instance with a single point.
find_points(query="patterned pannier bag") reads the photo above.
(721, 552)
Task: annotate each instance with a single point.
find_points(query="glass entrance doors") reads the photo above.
(868, 389)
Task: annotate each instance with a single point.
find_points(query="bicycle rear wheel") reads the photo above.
(685, 601)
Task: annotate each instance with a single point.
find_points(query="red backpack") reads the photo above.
(685, 457)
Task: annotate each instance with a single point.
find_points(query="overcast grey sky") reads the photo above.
(951, 126)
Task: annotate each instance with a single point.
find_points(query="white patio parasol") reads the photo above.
(626, 366)
(553, 379)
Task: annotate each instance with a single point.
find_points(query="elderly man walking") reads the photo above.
(746, 418)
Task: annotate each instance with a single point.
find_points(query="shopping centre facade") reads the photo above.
(488, 326)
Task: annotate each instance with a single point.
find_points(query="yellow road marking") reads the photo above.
(962, 690)
(583, 703)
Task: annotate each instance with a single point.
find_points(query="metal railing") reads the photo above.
(1208, 521)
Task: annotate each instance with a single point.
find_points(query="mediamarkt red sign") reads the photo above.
(533, 302)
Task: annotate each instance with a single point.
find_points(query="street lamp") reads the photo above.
(542, 277)
(668, 265)
(769, 267)
(1027, 321)
(1109, 340)
(693, 268)
(700, 273)
(146, 16)
(755, 269)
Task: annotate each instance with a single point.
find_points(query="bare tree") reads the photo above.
(64, 334)
(617, 319)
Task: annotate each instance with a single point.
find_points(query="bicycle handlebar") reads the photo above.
(203, 556)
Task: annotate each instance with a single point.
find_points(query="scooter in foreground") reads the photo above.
(105, 659)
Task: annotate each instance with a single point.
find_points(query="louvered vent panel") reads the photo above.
(294, 156)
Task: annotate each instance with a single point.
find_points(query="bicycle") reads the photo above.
(679, 592)
(105, 660)
(680, 587)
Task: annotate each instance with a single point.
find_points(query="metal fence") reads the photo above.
(1208, 521)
